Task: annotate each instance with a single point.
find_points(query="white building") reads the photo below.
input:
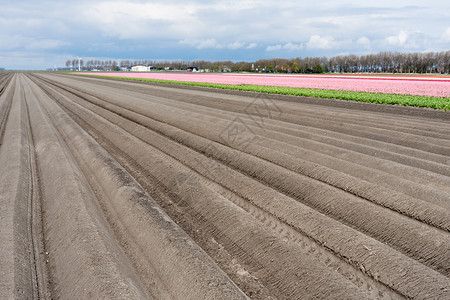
(140, 69)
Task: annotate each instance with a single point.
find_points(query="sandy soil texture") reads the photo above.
(123, 190)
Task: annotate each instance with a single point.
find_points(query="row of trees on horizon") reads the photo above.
(383, 62)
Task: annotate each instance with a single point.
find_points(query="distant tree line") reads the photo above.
(383, 62)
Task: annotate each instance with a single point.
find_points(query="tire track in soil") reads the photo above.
(22, 257)
(5, 104)
(42, 283)
(79, 254)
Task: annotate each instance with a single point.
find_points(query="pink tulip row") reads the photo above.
(417, 85)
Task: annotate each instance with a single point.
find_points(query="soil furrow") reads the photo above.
(82, 255)
(432, 256)
(42, 285)
(5, 107)
(204, 96)
(412, 174)
(439, 197)
(119, 189)
(219, 215)
(158, 251)
(349, 127)
(16, 278)
(116, 122)
(374, 149)
(427, 213)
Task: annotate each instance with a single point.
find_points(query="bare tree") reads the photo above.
(388, 62)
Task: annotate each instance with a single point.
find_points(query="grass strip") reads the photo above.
(406, 100)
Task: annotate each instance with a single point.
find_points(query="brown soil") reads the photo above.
(115, 189)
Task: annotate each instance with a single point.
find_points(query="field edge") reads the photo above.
(380, 98)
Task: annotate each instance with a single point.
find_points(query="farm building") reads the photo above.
(140, 69)
(192, 69)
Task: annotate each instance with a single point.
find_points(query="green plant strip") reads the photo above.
(407, 100)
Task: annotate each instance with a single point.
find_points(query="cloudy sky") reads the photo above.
(38, 34)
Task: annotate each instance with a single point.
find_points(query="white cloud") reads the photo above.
(209, 43)
(131, 20)
(398, 40)
(318, 42)
(212, 43)
(288, 46)
(445, 38)
(20, 43)
(113, 11)
(274, 47)
(237, 29)
(46, 44)
(291, 46)
(363, 41)
(189, 42)
(200, 44)
(235, 45)
(30, 60)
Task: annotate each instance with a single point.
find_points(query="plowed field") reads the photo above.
(124, 190)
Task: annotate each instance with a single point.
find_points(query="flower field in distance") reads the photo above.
(422, 91)
(412, 85)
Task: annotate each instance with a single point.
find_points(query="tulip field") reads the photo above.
(419, 86)
(425, 91)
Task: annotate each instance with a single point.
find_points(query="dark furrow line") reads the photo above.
(26, 277)
(5, 109)
(41, 276)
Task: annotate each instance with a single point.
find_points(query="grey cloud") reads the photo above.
(216, 30)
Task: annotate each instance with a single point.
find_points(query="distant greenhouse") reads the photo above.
(142, 68)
